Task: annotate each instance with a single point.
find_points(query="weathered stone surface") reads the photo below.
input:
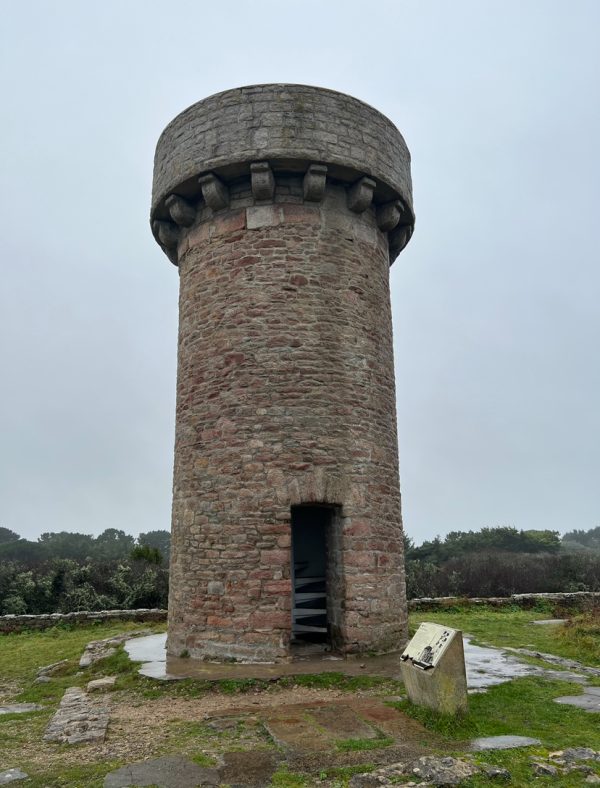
(442, 687)
(262, 180)
(314, 183)
(503, 742)
(101, 685)
(428, 770)
(101, 649)
(181, 211)
(571, 599)
(442, 770)
(13, 623)
(589, 700)
(171, 771)
(544, 770)
(48, 670)
(285, 370)
(12, 775)
(77, 720)
(572, 754)
(282, 123)
(19, 708)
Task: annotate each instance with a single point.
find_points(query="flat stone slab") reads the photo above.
(589, 700)
(502, 742)
(342, 722)
(171, 771)
(550, 622)
(252, 768)
(101, 649)
(100, 685)
(11, 776)
(77, 720)
(292, 729)
(19, 708)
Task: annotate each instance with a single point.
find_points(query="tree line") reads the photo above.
(65, 572)
(502, 561)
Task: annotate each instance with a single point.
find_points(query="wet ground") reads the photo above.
(485, 666)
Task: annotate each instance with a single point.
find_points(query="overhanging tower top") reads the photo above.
(291, 126)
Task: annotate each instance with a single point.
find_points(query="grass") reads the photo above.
(509, 626)
(283, 778)
(522, 707)
(356, 745)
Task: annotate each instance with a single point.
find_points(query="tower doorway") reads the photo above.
(311, 525)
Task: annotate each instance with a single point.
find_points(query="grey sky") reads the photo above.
(495, 299)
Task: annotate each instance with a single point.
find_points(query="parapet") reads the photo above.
(265, 132)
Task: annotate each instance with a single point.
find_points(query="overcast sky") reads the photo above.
(496, 298)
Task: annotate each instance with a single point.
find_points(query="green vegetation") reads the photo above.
(65, 572)
(524, 707)
(286, 779)
(352, 745)
(503, 561)
(170, 721)
(511, 626)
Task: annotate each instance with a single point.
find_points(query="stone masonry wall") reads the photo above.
(283, 207)
(285, 395)
(21, 623)
(295, 124)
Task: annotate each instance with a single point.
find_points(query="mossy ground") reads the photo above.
(521, 707)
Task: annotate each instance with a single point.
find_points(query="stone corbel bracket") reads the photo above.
(319, 135)
(262, 180)
(214, 191)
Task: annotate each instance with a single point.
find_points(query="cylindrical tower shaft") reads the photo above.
(283, 206)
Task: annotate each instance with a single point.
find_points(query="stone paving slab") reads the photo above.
(11, 776)
(20, 708)
(502, 742)
(171, 771)
(77, 720)
(253, 768)
(293, 729)
(388, 720)
(342, 722)
(589, 700)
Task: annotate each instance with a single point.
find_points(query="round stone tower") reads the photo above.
(283, 207)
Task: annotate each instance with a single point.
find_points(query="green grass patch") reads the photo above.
(283, 778)
(523, 707)
(510, 626)
(355, 745)
(340, 681)
(81, 776)
(203, 760)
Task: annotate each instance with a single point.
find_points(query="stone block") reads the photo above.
(433, 669)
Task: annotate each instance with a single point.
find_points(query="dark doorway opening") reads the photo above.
(311, 525)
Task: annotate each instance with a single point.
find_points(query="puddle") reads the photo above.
(486, 666)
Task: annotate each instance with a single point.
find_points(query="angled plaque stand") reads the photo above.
(433, 669)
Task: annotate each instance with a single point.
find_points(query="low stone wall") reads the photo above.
(575, 599)
(21, 623)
